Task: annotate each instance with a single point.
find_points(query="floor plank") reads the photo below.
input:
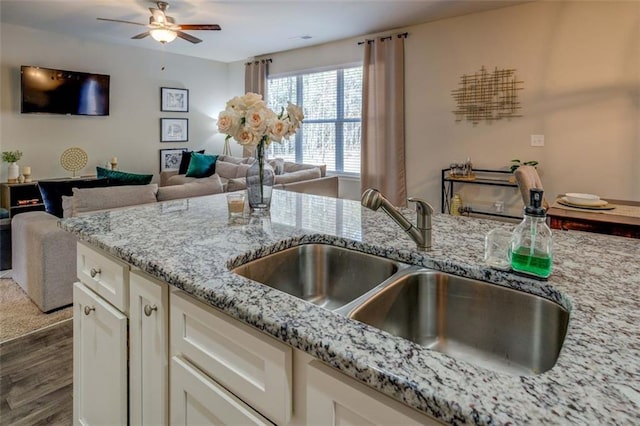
(36, 374)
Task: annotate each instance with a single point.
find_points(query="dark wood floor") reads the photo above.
(36, 377)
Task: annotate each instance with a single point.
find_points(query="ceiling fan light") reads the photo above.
(163, 35)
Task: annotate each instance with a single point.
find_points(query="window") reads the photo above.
(332, 104)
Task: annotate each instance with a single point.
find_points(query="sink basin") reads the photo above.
(322, 274)
(485, 324)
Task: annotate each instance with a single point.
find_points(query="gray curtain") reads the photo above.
(255, 80)
(383, 152)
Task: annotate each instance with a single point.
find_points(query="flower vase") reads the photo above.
(13, 173)
(260, 179)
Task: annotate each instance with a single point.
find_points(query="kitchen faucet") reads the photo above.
(421, 233)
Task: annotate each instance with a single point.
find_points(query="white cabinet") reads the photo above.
(196, 399)
(335, 399)
(253, 366)
(99, 360)
(149, 350)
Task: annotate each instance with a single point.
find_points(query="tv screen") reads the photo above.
(52, 91)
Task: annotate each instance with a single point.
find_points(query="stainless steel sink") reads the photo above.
(488, 325)
(322, 274)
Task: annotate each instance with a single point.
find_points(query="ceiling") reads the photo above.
(249, 27)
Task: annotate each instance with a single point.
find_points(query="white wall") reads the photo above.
(581, 70)
(132, 131)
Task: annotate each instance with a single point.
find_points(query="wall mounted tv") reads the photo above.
(53, 91)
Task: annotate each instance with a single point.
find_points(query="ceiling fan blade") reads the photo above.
(141, 35)
(188, 37)
(121, 21)
(194, 27)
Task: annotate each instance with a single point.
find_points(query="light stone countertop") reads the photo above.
(190, 245)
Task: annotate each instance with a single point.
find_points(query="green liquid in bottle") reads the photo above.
(539, 264)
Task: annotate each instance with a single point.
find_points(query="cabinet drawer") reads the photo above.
(198, 400)
(104, 275)
(336, 399)
(253, 366)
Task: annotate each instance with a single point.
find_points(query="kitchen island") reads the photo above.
(190, 245)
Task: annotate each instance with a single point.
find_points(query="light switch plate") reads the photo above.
(537, 140)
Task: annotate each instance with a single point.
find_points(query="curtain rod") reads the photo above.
(369, 41)
(267, 61)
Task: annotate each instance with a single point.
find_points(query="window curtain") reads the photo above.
(255, 80)
(383, 151)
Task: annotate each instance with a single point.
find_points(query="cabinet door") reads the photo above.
(198, 400)
(336, 399)
(99, 360)
(149, 350)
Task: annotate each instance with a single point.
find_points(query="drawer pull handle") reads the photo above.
(148, 309)
(93, 272)
(88, 309)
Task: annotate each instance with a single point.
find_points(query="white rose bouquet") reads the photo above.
(249, 121)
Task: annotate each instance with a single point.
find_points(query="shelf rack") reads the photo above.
(482, 177)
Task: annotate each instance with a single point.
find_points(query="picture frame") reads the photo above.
(174, 129)
(170, 159)
(173, 99)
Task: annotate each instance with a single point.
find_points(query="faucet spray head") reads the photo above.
(372, 199)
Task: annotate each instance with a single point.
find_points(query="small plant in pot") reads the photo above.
(11, 156)
(517, 163)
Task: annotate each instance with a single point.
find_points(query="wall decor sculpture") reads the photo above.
(487, 96)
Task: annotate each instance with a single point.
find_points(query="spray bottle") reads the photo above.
(531, 241)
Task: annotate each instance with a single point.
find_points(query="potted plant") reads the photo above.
(13, 171)
(517, 163)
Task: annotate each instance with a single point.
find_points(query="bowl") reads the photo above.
(584, 199)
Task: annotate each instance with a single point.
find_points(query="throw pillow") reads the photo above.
(201, 165)
(87, 200)
(226, 170)
(116, 177)
(52, 191)
(198, 188)
(278, 165)
(185, 160)
(298, 176)
(294, 167)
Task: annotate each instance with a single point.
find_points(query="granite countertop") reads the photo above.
(191, 245)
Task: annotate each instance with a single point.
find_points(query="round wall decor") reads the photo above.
(74, 159)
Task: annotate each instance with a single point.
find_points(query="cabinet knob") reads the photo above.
(148, 309)
(88, 309)
(93, 272)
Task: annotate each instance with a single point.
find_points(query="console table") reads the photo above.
(593, 221)
(483, 177)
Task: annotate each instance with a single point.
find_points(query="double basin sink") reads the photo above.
(488, 325)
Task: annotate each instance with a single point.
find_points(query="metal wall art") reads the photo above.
(487, 96)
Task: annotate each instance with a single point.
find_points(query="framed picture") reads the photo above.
(170, 159)
(174, 100)
(174, 129)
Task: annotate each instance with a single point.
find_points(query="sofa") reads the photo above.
(305, 178)
(44, 256)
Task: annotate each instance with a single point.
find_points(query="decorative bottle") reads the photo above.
(531, 243)
(456, 204)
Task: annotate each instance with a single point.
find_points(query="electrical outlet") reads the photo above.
(537, 140)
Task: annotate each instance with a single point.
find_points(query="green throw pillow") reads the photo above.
(117, 177)
(201, 165)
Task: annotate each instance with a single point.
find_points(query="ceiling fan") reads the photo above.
(163, 27)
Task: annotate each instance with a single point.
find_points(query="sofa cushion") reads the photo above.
(52, 191)
(116, 177)
(92, 199)
(184, 161)
(228, 170)
(294, 167)
(198, 188)
(201, 165)
(179, 180)
(237, 184)
(297, 176)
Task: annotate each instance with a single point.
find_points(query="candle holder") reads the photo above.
(113, 165)
(27, 177)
